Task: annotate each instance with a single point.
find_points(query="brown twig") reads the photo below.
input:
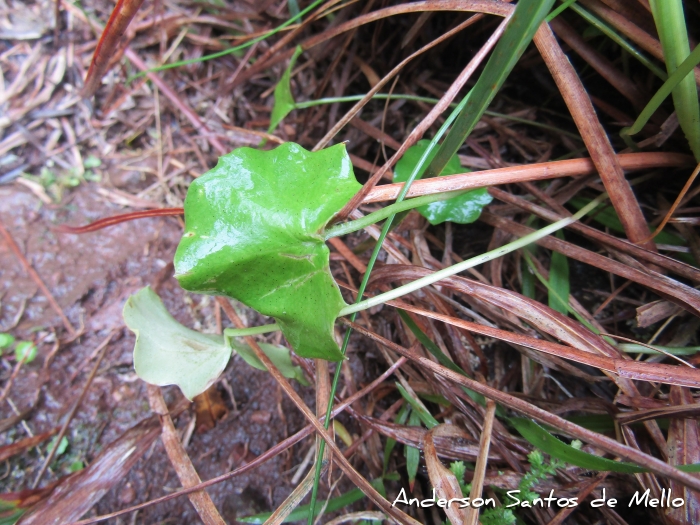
(181, 462)
(567, 427)
(594, 136)
(262, 458)
(343, 463)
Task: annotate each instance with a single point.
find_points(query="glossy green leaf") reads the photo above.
(254, 231)
(559, 281)
(279, 355)
(463, 209)
(284, 100)
(168, 353)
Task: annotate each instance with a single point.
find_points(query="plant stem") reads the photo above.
(624, 44)
(417, 172)
(253, 330)
(470, 263)
(379, 215)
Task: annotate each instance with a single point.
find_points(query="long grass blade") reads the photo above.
(670, 23)
(527, 17)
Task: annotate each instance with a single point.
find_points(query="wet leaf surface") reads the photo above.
(462, 209)
(253, 232)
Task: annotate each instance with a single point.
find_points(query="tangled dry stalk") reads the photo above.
(466, 354)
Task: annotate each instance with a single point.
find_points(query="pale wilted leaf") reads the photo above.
(168, 353)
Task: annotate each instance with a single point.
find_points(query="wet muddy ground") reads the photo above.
(91, 276)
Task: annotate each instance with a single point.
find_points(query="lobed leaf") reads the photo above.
(462, 209)
(168, 353)
(254, 232)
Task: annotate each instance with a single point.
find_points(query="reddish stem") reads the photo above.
(116, 219)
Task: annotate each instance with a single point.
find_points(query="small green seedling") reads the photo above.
(255, 231)
(6, 340)
(25, 351)
(62, 446)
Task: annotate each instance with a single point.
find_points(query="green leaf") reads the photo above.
(412, 453)
(254, 231)
(279, 355)
(559, 280)
(284, 100)
(62, 446)
(25, 350)
(168, 353)
(463, 209)
(543, 440)
(6, 340)
(333, 504)
(400, 419)
(418, 407)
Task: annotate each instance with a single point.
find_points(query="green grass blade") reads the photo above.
(673, 34)
(543, 440)
(412, 453)
(527, 17)
(234, 49)
(632, 348)
(428, 344)
(418, 407)
(680, 74)
(559, 10)
(624, 44)
(400, 419)
(559, 280)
